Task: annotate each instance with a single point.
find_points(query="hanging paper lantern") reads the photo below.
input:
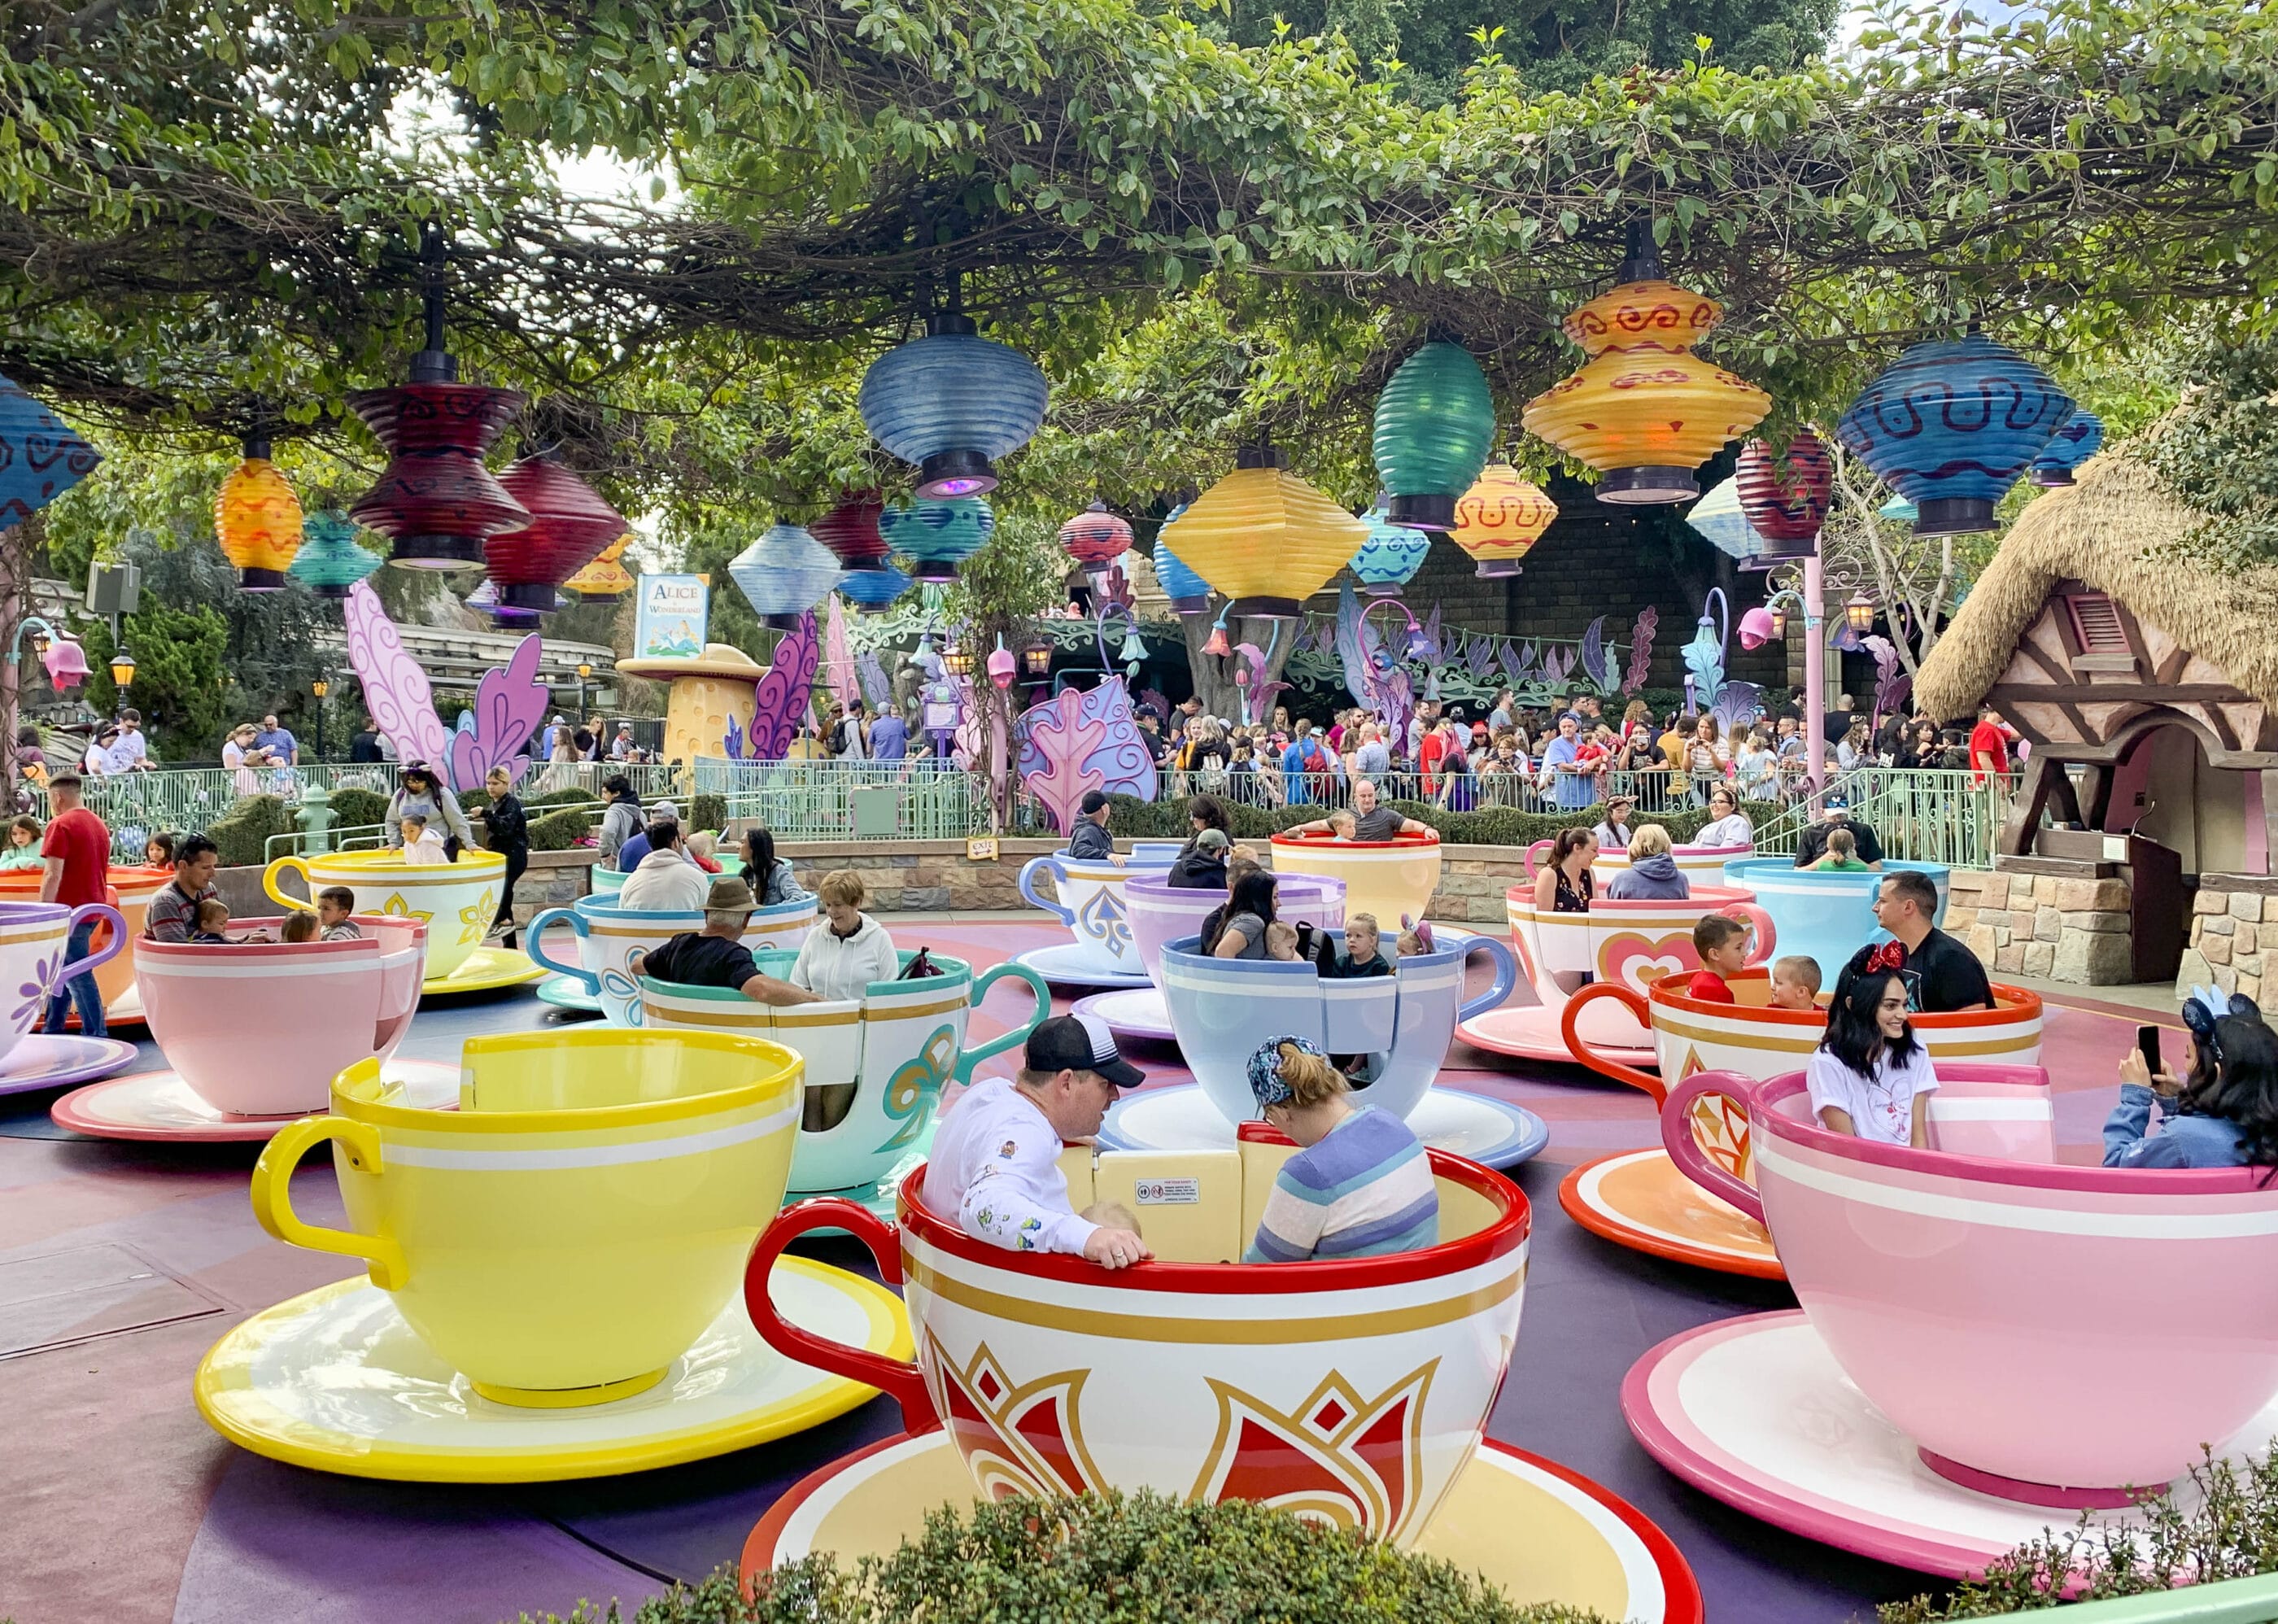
(39, 458)
(1950, 425)
(1500, 517)
(1899, 510)
(1786, 497)
(67, 663)
(569, 527)
(952, 402)
(1096, 538)
(1434, 426)
(257, 519)
(785, 573)
(1264, 538)
(435, 500)
(850, 530)
(1644, 412)
(1188, 592)
(330, 562)
(870, 591)
(1717, 517)
(605, 577)
(938, 535)
(1393, 552)
(2071, 446)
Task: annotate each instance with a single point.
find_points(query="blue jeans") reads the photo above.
(80, 989)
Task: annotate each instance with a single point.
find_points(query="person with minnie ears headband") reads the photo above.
(1941, 976)
(2224, 1111)
(1870, 1077)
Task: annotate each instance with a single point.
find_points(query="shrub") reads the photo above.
(571, 797)
(560, 829)
(1105, 1559)
(240, 835)
(1133, 818)
(707, 811)
(358, 809)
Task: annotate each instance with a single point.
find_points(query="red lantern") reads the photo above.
(436, 501)
(851, 531)
(569, 525)
(1785, 499)
(1096, 538)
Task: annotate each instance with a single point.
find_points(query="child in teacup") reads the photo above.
(1281, 942)
(2223, 1113)
(1360, 957)
(23, 850)
(1795, 983)
(299, 926)
(1343, 823)
(1869, 1077)
(334, 904)
(1723, 945)
(213, 922)
(422, 845)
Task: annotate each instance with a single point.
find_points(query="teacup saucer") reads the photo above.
(1639, 1200)
(569, 992)
(1138, 1012)
(1065, 964)
(1530, 1032)
(1536, 1530)
(334, 1380)
(40, 1062)
(487, 968)
(1474, 1126)
(1756, 1412)
(159, 1105)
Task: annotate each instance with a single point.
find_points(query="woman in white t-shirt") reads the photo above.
(1869, 1077)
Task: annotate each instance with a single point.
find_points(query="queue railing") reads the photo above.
(919, 798)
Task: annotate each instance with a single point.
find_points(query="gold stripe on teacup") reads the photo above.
(34, 933)
(1940, 1046)
(1245, 1332)
(779, 927)
(509, 1131)
(720, 1016)
(793, 1016)
(910, 1012)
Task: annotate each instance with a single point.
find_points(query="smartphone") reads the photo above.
(2147, 1045)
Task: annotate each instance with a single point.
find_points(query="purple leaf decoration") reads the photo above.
(1480, 662)
(877, 689)
(510, 704)
(1891, 683)
(1056, 741)
(1554, 666)
(784, 692)
(1352, 648)
(1515, 665)
(1432, 633)
(1641, 649)
(1738, 703)
(396, 690)
(734, 739)
(1593, 654)
(1151, 700)
(1260, 695)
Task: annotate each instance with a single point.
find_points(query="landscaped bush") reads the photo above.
(358, 809)
(240, 835)
(1131, 819)
(560, 829)
(1105, 1559)
(707, 811)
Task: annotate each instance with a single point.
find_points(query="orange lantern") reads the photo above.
(1644, 412)
(257, 519)
(1500, 517)
(1263, 537)
(605, 577)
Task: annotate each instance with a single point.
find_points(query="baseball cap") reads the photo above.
(1835, 803)
(1093, 800)
(1211, 840)
(1080, 1043)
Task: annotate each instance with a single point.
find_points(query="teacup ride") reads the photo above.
(128, 889)
(35, 963)
(255, 1032)
(875, 1066)
(601, 980)
(1701, 865)
(551, 1270)
(1642, 1199)
(609, 879)
(1221, 1009)
(1354, 1392)
(1089, 897)
(1161, 913)
(1631, 943)
(1821, 912)
(456, 901)
(1393, 879)
(1987, 1348)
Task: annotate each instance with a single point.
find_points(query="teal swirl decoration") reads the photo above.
(617, 984)
(1102, 920)
(912, 1090)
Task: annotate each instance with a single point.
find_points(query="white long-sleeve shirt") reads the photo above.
(843, 967)
(995, 1169)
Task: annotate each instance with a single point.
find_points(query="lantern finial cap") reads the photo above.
(1642, 263)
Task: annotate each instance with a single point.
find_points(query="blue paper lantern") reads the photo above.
(1717, 515)
(1951, 425)
(870, 591)
(1899, 510)
(1390, 557)
(785, 573)
(2073, 444)
(935, 535)
(952, 402)
(1188, 592)
(330, 562)
(39, 458)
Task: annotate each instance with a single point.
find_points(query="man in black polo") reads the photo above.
(1941, 975)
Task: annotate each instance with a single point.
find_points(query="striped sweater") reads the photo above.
(1365, 1189)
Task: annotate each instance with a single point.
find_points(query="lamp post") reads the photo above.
(585, 669)
(122, 670)
(1760, 626)
(66, 673)
(320, 687)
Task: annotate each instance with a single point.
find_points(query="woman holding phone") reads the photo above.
(2223, 1113)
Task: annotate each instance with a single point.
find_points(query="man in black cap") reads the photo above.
(995, 1163)
(1835, 813)
(1089, 841)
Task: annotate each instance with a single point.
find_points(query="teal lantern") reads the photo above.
(330, 562)
(785, 573)
(1390, 557)
(938, 534)
(1717, 517)
(2073, 444)
(1434, 426)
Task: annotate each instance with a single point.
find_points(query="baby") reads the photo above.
(1281, 941)
(421, 845)
(1723, 945)
(1242, 851)
(1360, 955)
(1795, 983)
(334, 904)
(213, 920)
(299, 926)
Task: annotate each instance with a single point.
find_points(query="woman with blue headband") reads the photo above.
(2222, 1112)
(1359, 1184)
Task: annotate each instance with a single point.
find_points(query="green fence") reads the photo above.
(1920, 815)
(919, 799)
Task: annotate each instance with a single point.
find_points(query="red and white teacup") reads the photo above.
(1634, 945)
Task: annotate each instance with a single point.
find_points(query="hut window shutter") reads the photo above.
(2096, 622)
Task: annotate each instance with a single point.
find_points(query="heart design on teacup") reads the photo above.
(1638, 961)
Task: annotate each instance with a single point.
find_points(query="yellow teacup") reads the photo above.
(565, 1234)
(457, 901)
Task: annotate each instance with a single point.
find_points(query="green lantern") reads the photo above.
(1435, 426)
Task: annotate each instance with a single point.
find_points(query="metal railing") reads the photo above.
(1654, 789)
(1918, 814)
(918, 798)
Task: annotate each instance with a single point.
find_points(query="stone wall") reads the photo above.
(2234, 924)
(2052, 926)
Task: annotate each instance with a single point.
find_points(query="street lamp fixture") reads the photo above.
(1036, 659)
(585, 670)
(957, 662)
(1859, 613)
(320, 687)
(122, 670)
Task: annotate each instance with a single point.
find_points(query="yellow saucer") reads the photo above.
(1534, 1530)
(487, 968)
(334, 1380)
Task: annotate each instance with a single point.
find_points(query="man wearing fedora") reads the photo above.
(715, 956)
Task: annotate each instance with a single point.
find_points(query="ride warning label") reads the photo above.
(1169, 1192)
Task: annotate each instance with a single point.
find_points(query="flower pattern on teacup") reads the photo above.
(396, 908)
(1345, 1459)
(1022, 1441)
(34, 992)
(912, 1090)
(475, 919)
(617, 988)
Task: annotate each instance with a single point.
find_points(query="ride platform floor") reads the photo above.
(121, 1263)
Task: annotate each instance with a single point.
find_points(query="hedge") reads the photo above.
(1134, 819)
(240, 835)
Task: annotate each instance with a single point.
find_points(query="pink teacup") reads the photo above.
(1630, 943)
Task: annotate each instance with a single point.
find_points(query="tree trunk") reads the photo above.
(1213, 675)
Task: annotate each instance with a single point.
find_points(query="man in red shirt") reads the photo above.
(1988, 747)
(77, 847)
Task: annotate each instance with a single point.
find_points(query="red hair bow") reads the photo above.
(1886, 956)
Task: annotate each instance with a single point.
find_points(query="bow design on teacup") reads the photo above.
(1890, 955)
(915, 1085)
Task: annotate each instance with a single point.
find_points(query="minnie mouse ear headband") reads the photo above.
(1265, 1083)
(2206, 1007)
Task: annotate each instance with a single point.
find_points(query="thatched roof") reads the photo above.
(2114, 531)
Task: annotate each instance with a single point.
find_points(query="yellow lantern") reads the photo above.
(605, 577)
(1263, 537)
(257, 519)
(1500, 517)
(1643, 410)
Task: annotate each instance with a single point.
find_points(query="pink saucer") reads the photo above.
(40, 1062)
(1756, 1412)
(1135, 1012)
(1531, 1032)
(159, 1105)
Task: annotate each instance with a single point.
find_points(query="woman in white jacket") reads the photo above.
(850, 950)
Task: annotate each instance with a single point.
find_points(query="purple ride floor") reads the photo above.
(121, 1506)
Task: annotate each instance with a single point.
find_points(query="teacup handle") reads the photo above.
(300, 866)
(1569, 1029)
(535, 936)
(1528, 857)
(1028, 890)
(897, 1378)
(112, 947)
(1684, 1151)
(1019, 1034)
(272, 1200)
(1757, 920)
(1506, 976)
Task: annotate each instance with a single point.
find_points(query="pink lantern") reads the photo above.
(67, 663)
(1096, 538)
(1758, 627)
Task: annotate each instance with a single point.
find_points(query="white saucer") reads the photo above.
(1138, 1012)
(1473, 1126)
(1531, 1032)
(1065, 964)
(159, 1105)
